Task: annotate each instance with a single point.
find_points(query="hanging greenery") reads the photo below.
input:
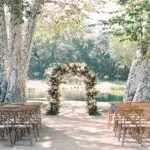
(80, 69)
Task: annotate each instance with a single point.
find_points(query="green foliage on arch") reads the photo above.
(80, 69)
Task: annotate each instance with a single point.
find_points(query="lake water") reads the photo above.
(105, 97)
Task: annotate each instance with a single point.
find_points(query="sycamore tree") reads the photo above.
(17, 25)
(17, 22)
(132, 22)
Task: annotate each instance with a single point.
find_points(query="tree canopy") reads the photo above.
(132, 20)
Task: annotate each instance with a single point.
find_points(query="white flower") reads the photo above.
(71, 65)
(92, 101)
(55, 87)
(83, 64)
(78, 69)
(92, 75)
(82, 68)
(64, 66)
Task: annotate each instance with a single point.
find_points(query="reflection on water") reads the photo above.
(107, 97)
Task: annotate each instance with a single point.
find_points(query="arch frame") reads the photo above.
(80, 69)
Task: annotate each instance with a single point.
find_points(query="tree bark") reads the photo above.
(29, 25)
(138, 85)
(20, 36)
(3, 51)
(16, 85)
(143, 90)
(135, 76)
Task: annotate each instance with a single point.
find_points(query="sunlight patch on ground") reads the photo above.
(46, 144)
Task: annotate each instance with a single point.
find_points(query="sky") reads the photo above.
(110, 7)
(105, 15)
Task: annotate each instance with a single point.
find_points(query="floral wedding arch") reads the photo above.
(80, 69)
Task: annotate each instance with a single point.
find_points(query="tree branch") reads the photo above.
(62, 3)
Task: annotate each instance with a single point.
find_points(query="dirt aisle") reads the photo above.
(73, 129)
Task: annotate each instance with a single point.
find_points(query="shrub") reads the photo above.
(117, 88)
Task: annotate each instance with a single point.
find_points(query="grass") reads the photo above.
(117, 88)
(38, 89)
(75, 92)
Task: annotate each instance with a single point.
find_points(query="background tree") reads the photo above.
(132, 23)
(71, 48)
(123, 52)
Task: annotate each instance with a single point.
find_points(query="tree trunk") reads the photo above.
(20, 49)
(3, 50)
(29, 25)
(16, 86)
(138, 85)
(143, 89)
(135, 76)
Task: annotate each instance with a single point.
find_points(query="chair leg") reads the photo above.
(23, 132)
(20, 134)
(37, 127)
(3, 132)
(30, 137)
(109, 121)
(35, 132)
(124, 134)
(119, 132)
(138, 137)
(41, 126)
(12, 138)
(115, 128)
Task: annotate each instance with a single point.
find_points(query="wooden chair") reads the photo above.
(24, 125)
(7, 126)
(131, 122)
(36, 117)
(118, 118)
(18, 120)
(146, 124)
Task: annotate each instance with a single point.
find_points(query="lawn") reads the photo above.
(75, 90)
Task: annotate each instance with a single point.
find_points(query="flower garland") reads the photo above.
(78, 69)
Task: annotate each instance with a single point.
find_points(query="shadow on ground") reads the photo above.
(75, 130)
